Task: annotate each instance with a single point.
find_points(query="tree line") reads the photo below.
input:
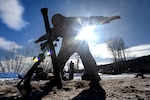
(14, 60)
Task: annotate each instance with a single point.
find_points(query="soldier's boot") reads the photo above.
(94, 81)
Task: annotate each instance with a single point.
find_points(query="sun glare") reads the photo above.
(86, 33)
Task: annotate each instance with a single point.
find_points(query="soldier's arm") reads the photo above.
(42, 38)
(54, 33)
(108, 19)
(95, 20)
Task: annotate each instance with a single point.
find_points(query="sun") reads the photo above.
(86, 33)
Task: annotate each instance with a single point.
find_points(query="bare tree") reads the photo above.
(77, 56)
(117, 48)
(14, 60)
(47, 65)
(1, 66)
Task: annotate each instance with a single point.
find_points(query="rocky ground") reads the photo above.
(123, 87)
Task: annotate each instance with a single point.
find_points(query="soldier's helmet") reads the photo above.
(57, 20)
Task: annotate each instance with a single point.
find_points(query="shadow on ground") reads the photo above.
(93, 93)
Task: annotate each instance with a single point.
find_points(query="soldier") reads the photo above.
(139, 72)
(68, 29)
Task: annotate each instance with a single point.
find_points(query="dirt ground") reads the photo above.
(116, 88)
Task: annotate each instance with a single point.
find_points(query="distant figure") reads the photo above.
(68, 28)
(139, 73)
(71, 70)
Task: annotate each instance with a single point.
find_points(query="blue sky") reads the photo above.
(21, 22)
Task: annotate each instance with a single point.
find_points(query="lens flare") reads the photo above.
(35, 59)
(49, 52)
(86, 33)
(41, 57)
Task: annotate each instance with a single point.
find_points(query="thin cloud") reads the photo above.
(101, 52)
(11, 14)
(140, 50)
(8, 45)
(31, 40)
(103, 62)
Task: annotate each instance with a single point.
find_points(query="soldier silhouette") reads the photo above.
(68, 29)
